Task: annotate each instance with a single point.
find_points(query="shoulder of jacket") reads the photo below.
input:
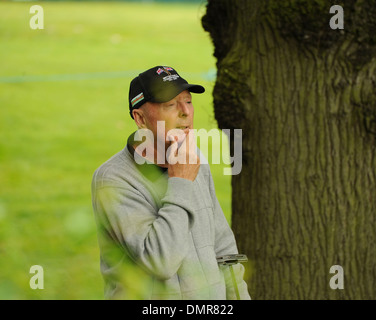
(115, 169)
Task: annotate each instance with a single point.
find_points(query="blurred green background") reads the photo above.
(64, 111)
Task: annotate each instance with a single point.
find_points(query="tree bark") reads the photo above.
(304, 96)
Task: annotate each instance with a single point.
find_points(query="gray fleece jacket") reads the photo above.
(158, 236)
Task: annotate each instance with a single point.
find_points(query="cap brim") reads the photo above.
(168, 95)
(195, 88)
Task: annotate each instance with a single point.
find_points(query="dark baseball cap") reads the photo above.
(158, 84)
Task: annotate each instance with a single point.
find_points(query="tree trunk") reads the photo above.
(304, 96)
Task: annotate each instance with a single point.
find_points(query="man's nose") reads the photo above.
(184, 109)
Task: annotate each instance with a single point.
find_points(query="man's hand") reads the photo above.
(183, 161)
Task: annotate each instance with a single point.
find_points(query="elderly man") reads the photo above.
(161, 230)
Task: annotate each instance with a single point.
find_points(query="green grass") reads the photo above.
(54, 134)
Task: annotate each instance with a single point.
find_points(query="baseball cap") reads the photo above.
(158, 84)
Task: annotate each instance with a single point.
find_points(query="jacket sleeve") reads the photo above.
(157, 240)
(225, 244)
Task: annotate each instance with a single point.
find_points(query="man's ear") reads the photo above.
(139, 118)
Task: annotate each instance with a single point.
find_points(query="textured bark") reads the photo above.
(305, 97)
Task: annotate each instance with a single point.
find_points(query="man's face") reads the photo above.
(176, 114)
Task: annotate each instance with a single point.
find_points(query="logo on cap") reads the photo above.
(165, 69)
(171, 77)
(137, 99)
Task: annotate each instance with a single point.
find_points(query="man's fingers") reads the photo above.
(192, 148)
(176, 135)
(172, 152)
(183, 148)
